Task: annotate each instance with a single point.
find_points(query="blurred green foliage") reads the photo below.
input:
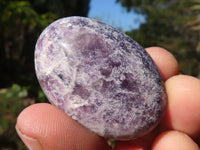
(20, 27)
(195, 8)
(167, 25)
(21, 22)
(12, 101)
(26, 16)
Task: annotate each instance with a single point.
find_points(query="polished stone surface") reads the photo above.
(100, 77)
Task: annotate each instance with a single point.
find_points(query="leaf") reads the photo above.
(194, 1)
(193, 22)
(196, 28)
(195, 7)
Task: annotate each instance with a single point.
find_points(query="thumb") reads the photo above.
(45, 127)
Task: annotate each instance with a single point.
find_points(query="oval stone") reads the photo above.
(100, 77)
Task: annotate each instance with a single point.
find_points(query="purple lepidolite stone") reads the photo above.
(100, 77)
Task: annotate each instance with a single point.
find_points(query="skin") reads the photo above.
(44, 127)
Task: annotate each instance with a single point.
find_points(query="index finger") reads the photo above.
(165, 62)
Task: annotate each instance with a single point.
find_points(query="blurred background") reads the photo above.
(171, 24)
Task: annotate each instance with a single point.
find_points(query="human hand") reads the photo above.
(45, 127)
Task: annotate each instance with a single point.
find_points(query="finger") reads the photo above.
(165, 61)
(174, 140)
(183, 104)
(45, 127)
(167, 70)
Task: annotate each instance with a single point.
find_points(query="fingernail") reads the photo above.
(31, 143)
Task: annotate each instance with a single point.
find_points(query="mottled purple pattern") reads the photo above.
(100, 77)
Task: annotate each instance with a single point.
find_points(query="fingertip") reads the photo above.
(29, 119)
(165, 62)
(183, 104)
(46, 126)
(174, 140)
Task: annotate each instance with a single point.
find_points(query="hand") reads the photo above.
(44, 127)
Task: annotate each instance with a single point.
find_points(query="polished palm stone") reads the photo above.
(100, 77)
